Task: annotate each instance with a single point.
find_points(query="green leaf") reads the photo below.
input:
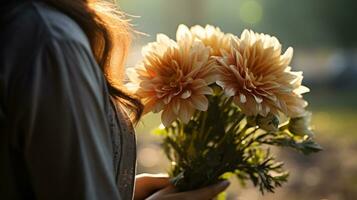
(305, 146)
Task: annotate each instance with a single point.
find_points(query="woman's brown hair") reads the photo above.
(109, 34)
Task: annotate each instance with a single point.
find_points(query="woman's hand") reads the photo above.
(206, 193)
(147, 184)
(158, 187)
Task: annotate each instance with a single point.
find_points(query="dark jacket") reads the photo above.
(61, 136)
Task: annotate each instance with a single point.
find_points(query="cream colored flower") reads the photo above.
(174, 77)
(258, 76)
(211, 37)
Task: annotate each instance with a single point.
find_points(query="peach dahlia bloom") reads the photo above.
(258, 76)
(174, 77)
(212, 37)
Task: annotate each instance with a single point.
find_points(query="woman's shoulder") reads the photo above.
(41, 22)
(33, 32)
(58, 24)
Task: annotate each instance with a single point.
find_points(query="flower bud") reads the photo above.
(268, 123)
(301, 125)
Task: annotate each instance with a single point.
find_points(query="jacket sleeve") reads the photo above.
(59, 108)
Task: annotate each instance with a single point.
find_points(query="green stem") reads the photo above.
(203, 120)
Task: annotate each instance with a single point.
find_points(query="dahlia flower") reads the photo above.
(174, 77)
(211, 37)
(258, 76)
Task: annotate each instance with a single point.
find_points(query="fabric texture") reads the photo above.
(61, 135)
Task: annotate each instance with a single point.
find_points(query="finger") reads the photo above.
(163, 193)
(208, 192)
(153, 181)
(146, 184)
(152, 175)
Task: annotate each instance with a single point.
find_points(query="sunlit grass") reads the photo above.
(338, 123)
(334, 113)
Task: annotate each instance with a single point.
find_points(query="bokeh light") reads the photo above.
(149, 156)
(251, 12)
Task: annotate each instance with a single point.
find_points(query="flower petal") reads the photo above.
(200, 102)
(186, 111)
(167, 117)
(242, 98)
(186, 94)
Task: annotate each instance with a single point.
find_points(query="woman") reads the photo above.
(64, 133)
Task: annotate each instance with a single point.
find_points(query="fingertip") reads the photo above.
(221, 186)
(224, 184)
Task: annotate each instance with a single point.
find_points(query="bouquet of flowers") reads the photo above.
(225, 100)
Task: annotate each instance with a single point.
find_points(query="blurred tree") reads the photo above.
(303, 23)
(309, 23)
(339, 17)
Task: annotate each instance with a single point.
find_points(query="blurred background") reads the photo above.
(324, 36)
